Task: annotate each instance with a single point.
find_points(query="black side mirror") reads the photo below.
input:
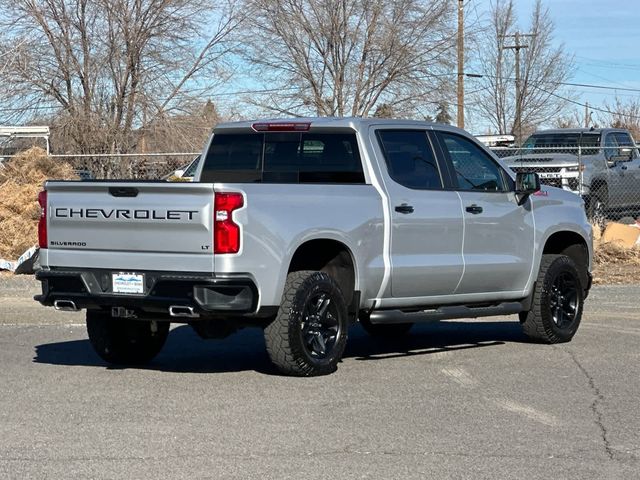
(527, 183)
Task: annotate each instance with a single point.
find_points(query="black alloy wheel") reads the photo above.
(320, 327)
(558, 299)
(309, 334)
(563, 300)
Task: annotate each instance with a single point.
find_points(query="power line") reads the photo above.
(607, 63)
(275, 90)
(222, 94)
(575, 102)
(569, 84)
(600, 77)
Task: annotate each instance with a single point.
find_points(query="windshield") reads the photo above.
(562, 143)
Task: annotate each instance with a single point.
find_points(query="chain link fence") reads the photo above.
(132, 166)
(607, 178)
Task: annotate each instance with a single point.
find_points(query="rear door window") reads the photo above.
(410, 159)
(611, 146)
(590, 143)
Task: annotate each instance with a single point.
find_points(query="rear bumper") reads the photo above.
(208, 295)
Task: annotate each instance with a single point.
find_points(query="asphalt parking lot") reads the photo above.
(459, 399)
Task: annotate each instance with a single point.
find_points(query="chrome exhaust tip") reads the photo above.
(65, 306)
(183, 311)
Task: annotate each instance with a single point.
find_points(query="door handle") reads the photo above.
(475, 209)
(404, 208)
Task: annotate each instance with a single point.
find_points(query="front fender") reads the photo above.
(555, 212)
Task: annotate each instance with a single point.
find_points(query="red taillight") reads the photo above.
(282, 127)
(226, 233)
(42, 223)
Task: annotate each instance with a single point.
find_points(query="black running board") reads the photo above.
(446, 313)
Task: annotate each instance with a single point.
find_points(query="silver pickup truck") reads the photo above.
(301, 227)
(600, 164)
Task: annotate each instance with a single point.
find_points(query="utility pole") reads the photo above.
(586, 115)
(461, 63)
(516, 47)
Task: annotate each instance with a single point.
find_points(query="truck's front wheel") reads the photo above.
(558, 298)
(309, 334)
(125, 342)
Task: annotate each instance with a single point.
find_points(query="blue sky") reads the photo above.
(603, 36)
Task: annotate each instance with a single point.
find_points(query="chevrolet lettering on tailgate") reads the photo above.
(128, 214)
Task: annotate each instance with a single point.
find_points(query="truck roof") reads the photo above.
(335, 122)
(561, 131)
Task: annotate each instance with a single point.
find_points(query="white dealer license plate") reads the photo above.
(128, 283)
(550, 175)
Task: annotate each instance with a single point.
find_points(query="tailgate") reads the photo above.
(125, 225)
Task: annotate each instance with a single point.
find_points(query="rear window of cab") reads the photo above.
(283, 157)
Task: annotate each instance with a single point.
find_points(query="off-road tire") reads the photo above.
(538, 323)
(125, 342)
(391, 330)
(285, 337)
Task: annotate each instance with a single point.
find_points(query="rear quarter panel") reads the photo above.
(279, 218)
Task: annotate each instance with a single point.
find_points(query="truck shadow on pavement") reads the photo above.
(245, 350)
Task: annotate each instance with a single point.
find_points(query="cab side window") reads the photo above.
(624, 141)
(611, 146)
(474, 169)
(410, 159)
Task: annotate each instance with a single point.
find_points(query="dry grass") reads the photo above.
(613, 253)
(615, 264)
(20, 181)
(173, 178)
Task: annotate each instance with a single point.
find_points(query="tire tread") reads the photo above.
(283, 352)
(534, 325)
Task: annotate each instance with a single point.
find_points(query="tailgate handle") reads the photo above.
(123, 191)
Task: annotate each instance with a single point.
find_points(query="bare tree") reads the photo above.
(625, 114)
(108, 67)
(339, 57)
(185, 132)
(571, 120)
(543, 69)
